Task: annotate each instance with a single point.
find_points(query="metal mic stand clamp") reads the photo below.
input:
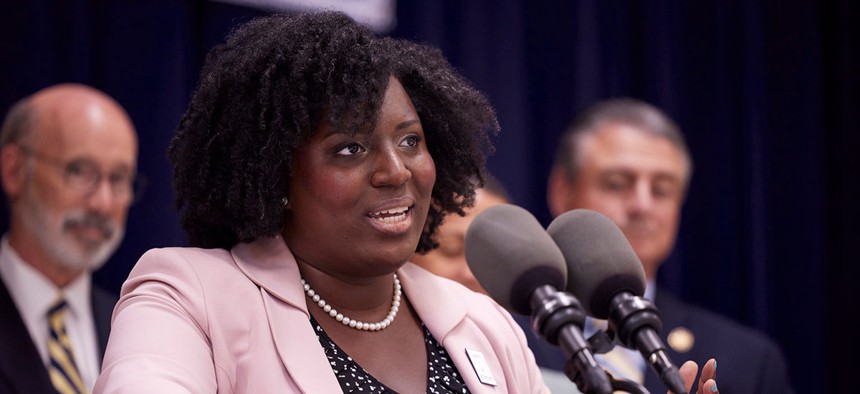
(558, 318)
(602, 342)
(637, 324)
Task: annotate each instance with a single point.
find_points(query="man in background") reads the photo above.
(627, 160)
(68, 157)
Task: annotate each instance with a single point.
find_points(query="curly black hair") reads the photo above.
(264, 92)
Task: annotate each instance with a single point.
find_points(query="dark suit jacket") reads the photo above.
(21, 367)
(747, 361)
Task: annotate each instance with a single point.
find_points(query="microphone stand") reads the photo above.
(636, 322)
(558, 317)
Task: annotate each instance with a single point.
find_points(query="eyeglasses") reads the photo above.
(84, 176)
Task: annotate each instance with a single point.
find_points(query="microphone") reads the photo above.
(523, 270)
(605, 273)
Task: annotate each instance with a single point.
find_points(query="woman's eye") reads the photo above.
(351, 149)
(411, 141)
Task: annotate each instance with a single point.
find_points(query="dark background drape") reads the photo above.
(767, 93)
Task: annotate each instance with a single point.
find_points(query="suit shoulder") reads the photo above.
(183, 267)
(197, 259)
(709, 326)
(189, 253)
(750, 361)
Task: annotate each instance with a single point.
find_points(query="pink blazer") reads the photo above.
(210, 320)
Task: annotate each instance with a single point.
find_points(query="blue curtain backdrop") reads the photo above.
(767, 93)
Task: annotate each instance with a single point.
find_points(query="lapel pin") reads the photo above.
(481, 367)
(681, 339)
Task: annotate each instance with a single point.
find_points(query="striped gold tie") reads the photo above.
(62, 368)
(620, 361)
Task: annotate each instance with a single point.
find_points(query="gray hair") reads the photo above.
(18, 122)
(635, 113)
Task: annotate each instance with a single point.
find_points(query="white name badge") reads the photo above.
(481, 367)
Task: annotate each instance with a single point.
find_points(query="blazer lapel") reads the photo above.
(24, 372)
(299, 347)
(442, 313)
(271, 265)
(103, 303)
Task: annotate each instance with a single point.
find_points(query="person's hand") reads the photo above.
(707, 382)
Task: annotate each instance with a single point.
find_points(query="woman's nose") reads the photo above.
(390, 169)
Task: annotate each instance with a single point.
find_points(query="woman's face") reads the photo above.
(357, 205)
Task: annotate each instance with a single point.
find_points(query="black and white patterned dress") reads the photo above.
(442, 375)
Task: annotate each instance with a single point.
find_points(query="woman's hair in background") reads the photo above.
(264, 93)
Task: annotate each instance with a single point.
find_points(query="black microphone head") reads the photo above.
(511, 254)
(600, 261)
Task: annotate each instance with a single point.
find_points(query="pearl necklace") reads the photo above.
(352, 323)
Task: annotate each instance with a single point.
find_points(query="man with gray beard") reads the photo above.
(68, 157)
